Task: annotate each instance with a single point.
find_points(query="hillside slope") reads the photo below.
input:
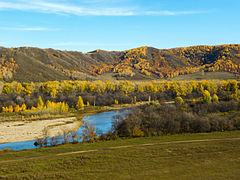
(34, 64)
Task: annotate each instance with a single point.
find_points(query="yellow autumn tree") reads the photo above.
(215, 98)
(4, 109)
(18, 88)
(62, 106)
(48, 104)
(80, 103)
(7, 88)
(10, 108)
(40, 103)
(207, 97)
(135, 100)
(88, 104)
(17, 108)
(27, 89)
(23, 107)
(178, 101)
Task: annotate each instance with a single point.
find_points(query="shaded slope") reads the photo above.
(32, 70)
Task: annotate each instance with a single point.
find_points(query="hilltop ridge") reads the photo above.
(35, 64)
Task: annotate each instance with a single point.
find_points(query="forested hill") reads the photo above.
(34, 64)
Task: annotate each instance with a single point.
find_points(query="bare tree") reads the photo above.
(54, 141)
(66, 136)
(88, 132)
(74, 136)
(44, 140)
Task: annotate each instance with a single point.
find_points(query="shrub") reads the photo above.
(215, 98)
(207, 97)
(151, 120)
(179, 101)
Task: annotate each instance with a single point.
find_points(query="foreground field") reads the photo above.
(186, 156)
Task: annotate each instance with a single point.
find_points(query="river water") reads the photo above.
(102, 122)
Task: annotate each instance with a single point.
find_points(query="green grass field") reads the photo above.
(206, 76)
(186, 156)
(198, 76)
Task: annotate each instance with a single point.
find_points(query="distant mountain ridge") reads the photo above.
(35, 64)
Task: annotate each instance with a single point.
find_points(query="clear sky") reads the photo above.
(86, 25)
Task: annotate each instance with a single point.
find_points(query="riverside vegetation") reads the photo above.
(197, 107)
(51, 98)
(17, 96)
(54, 97)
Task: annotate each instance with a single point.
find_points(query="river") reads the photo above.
(102, 122)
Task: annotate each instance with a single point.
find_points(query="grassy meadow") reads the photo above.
(184, 156)
(198, 76)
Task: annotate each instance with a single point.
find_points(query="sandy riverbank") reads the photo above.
(16, 131)
(23, 131)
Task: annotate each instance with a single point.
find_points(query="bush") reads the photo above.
(179, 101)
(207, 97)
(158, 120)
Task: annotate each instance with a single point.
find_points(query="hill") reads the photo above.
(34, 64)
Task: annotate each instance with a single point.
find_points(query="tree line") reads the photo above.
(15, 96)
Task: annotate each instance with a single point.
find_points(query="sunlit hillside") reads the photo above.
(34, 64)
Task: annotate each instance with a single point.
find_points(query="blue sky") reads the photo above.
(85, 25)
